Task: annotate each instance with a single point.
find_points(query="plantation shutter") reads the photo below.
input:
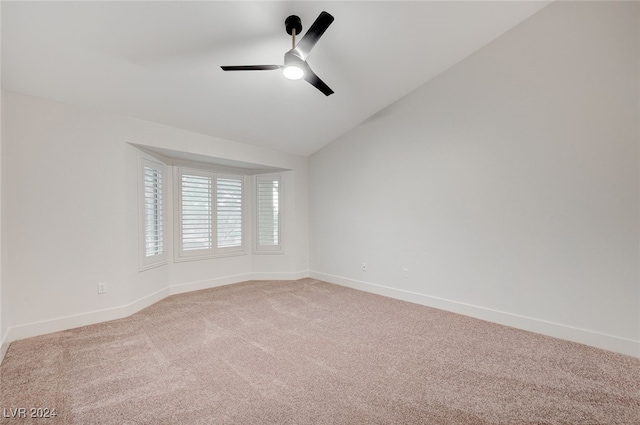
(268, 212)
(153, 214)
(196, 213)
(229, 212)
(211, 211)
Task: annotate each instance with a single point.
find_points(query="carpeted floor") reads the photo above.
(308, 352)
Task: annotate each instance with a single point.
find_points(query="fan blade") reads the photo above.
(316, 82)
(251, 68)
(313, 34)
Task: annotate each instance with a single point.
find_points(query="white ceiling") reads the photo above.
(160, 61)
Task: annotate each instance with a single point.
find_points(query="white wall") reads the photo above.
(507, 186)
(70, 216)
(2, 309)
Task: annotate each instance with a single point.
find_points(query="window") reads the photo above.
(229, 212)
(152, 252)
(210, 210)
(268, 214)
(196, 212)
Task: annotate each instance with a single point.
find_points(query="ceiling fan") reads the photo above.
(295, 60)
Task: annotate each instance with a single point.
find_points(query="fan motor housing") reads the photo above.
(292, 22)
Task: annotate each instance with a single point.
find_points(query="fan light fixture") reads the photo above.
(293, 72)
(295, 60)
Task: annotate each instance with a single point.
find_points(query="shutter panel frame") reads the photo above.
(230, 207)
(194, 221)
(209, 210)
(269, 214)
(152, 214)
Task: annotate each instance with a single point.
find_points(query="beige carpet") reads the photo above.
(308, 352)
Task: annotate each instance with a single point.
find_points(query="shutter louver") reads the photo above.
(153, 216)
(196, 212)
(268, 212)
(228, 212)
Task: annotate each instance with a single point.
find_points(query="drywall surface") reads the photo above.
(70, 216)
(507, 187)
(3, 330)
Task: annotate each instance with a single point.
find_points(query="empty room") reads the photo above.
(320, 212)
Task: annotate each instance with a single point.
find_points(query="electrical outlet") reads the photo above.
(405, 272)
(364, 267)
(102, 288)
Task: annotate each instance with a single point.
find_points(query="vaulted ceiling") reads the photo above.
(160, 61)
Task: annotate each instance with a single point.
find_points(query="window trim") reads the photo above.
(180, 254)
(269, 249)
(148, 262)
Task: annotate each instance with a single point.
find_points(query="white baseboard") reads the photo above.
(4, 346)
(229, 280)
(77, 320)
(280, 276)
(69, 322)
(607, 342)
(181, 288)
